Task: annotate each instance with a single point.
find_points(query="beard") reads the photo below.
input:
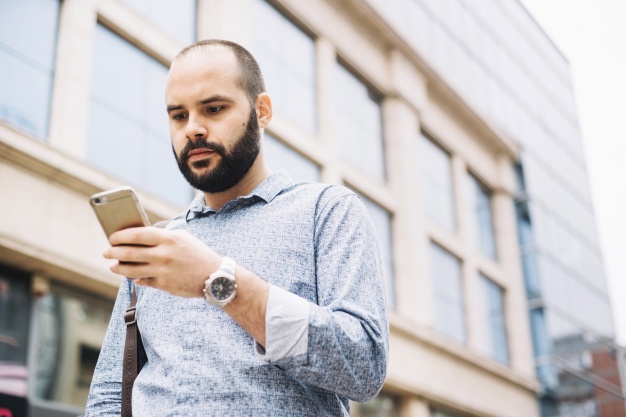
(231, 167)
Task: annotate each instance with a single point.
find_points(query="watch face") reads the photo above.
(222, 288)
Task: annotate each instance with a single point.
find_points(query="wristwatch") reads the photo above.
(221, 287)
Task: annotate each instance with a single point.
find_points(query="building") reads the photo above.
(454, 120)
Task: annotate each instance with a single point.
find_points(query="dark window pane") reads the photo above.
(128, 132)
(494, 341)
(447, 293)
(384, 405)
(436, 185)
(70, 330)
(479, 198)
(28, 31)
(14, 326)
(358, 124)
(382, 223)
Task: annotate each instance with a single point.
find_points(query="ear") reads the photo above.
(263, 105)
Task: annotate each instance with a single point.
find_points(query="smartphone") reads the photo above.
(118, 209)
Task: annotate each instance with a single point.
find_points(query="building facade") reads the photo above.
(453, 120)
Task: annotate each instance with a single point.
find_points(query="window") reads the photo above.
(70, 328)
(179, 21)
(14, 327)
(287, 58)
(382, 223)
(440, 413)
(128, 132)
(383, 405)
(492, 318)
(359, 123)
(481, 218)
(28, 30)
(447, 293)
(279, 156)
(437, 193)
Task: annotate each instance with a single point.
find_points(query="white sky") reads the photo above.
(592, 34)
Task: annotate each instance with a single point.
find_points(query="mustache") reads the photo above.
(201, 143)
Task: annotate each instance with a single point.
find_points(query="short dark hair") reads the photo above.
(250, 79)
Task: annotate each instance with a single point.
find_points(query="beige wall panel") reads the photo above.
(70, 104)
(443, 378)
(53, 224)
(408, 82)
(226, 19)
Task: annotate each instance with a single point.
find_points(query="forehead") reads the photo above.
(214, 70)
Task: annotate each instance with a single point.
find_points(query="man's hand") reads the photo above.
(170, 260)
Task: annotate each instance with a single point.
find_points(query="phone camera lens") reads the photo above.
(97, 201)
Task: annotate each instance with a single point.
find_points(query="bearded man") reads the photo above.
(266, 296)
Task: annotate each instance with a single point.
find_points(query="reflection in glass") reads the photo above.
(179, 21)
(445, 271)
(286, 56)
(437, 194)
(279, 156)
(70, 330)
(481, 217)
(128, 130)
(28, 31)
(14, 327)
(359, 123)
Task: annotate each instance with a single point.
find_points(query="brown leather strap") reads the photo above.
(131, 349)
(131, 356)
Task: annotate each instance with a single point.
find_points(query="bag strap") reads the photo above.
(131, 356)
(132, 347)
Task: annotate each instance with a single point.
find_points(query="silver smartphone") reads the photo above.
(118, 209)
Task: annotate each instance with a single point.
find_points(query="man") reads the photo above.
(266, 296)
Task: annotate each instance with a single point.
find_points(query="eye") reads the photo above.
(215, 110)
(178, 116)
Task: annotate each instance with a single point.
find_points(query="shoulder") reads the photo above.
(324, 193)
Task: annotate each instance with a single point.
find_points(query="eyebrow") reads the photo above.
(212, 99)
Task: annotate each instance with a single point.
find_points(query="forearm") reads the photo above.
(249, 306)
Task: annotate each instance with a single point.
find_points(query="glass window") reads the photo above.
(383, 405)
(359, 123)
(179, 21)
(439, 413)
(287, 58)
(491, 303)
(70, 328)
(382, 223)
(14, 326)
(128, 132)
(437, 194)
(447, 284)
(28, 30)
(481, 217)
(279, 156)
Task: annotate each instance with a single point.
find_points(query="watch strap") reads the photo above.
(228, 265)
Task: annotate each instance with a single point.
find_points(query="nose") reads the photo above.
(195, 128)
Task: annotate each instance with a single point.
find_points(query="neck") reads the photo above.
(257, 173)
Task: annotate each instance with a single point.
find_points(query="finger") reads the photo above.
(145, 236)
(131, 270)
(128, 254)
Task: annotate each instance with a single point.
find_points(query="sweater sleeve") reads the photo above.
(348, 331)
